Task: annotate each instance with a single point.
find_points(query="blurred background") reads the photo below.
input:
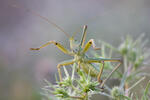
(22, 71)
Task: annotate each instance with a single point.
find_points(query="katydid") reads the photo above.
(78, 51)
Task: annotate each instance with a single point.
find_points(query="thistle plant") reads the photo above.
(134, 54)
(78, 85)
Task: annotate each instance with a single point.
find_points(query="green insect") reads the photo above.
(78, 50)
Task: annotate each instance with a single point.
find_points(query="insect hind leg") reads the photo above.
(116, 67)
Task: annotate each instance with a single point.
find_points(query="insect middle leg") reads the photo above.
(69, 62)
(100, 73)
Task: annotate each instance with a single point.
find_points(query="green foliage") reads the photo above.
(72, 87)
(118, 93)
(146, 92)
(82, 86)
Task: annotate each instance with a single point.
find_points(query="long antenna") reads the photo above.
(76, 33)
(46, 19)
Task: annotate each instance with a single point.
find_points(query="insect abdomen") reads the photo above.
(90, 68)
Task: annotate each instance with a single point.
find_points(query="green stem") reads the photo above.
(75, 89)
(125, 63)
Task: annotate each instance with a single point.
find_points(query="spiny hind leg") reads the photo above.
(116, 67)
(102, 60)
(69, 62)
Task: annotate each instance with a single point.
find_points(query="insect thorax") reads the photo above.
(79, 58)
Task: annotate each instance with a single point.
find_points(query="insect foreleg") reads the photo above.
(60, 47)
(69, 62)
(89, 44)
